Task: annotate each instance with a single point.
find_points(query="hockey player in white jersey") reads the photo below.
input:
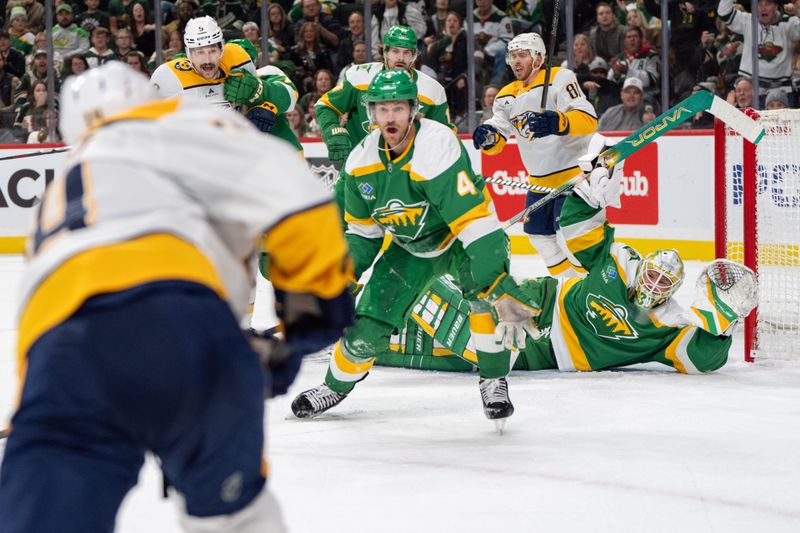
(208, 63)
(128, 336)
(550, 140)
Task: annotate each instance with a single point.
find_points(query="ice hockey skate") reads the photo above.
(496, 404)
(315, 401)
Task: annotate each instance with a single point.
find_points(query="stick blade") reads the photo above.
(736, 120)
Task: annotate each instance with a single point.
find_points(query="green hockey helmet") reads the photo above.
(391, 85)
(401, 37)
(248, 47)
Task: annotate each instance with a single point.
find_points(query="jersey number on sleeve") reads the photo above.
(67, 205)
(465, 185)
(572, 90)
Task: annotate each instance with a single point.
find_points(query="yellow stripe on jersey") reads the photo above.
(325, 99)
(307, 253)
(350, 219)
(576, 353)
(581, 122)
(587, 240)
(555, 179)
(367, 169)
(425, 100)
(233, 56)
(149, 111)
(516, 88)
(671, 353)
(560, 268)
(107, 269)
(479, 211)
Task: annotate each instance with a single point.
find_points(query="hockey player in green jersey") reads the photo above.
(622, 313)
(412, 178)
(277, 93)
(348, 97)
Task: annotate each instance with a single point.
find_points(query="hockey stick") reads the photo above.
(550, 53)
(33, 154)
(516, 184)
(669, 120)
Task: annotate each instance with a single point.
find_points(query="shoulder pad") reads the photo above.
(359, 76)
(429, 90)
(233, 56)
(270, 70)
(512, 89)
(436, 148)
(364, 154)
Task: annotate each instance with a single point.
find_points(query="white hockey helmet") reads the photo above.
(99, 93)
(526, 41)
(201, 31)
(658, 277)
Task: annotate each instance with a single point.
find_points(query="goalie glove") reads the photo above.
(515, 313)
(725, 292)
(243, 87)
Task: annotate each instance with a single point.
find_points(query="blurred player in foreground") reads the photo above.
(128, 330)
(412, 178)
(622, 313)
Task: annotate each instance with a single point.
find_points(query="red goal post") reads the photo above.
(757, 222)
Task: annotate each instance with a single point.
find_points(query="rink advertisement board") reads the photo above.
(639, 204)
(667, 192)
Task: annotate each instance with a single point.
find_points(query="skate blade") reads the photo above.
(499, 425)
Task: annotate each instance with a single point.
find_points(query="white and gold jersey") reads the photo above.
(178, 77)
(551, 160)
(176, 190)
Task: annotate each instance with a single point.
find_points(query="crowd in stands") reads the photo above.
(616, 49)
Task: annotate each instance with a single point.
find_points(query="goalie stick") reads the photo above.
(666, 121)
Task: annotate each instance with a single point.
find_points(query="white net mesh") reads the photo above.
(777, 227)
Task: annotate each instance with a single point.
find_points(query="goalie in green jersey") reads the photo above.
(411, 178)
(622, 313)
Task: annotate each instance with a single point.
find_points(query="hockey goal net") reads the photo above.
(757, 218)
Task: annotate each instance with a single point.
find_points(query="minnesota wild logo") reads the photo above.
(404, 221)
(608, 319)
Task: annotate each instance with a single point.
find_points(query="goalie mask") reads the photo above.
(658, 277)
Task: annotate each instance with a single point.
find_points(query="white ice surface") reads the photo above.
(640, 450)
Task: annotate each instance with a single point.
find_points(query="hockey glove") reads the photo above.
(515, 312)
(338, 142)
(485, 137)
(725, 292)
(548, 123)
(243, 87)
(277, 359)
(601, 189)
(262, 118)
